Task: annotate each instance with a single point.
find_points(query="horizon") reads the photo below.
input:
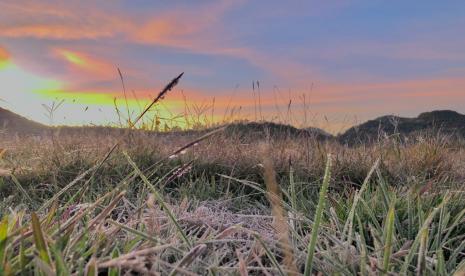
(335, 134)
(333, 64)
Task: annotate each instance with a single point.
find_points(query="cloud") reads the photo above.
(58, 20)
(427, 49)
(58, 31)
(186, 28)
(4, 57)
(74, 20)
(85, 63)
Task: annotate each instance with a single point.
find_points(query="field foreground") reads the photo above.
(220, 204)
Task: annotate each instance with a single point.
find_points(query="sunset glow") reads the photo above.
(74, 58)
(4, 58)
(241, 60)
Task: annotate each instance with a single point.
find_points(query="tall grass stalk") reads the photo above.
(275, 198)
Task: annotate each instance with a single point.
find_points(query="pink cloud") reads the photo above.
(80, 62)
(58, 20)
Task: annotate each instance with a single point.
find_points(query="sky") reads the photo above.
(329, 64)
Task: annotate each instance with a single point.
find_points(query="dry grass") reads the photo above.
(216, 191)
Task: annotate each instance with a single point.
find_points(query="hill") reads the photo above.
(254, 130)
(12, 123)
(443, 121)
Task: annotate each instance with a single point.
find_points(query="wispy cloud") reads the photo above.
(57, 20)
(93, 67)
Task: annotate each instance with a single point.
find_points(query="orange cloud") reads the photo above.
(59, 20)
(166, 31)
(4, 57)
(55, 32)
(86, 63)
(73, 20)
(184, 28)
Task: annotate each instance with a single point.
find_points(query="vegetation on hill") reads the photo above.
(254, 130)
(443, 121)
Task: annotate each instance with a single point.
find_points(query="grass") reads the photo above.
(217, 203)
(205, 209)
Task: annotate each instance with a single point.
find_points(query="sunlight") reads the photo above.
(26, 94)
(22, 82)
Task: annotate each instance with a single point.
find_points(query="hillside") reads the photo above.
(12, 123)
(444, 121)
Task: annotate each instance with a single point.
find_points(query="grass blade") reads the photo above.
(189, 258)
(441, 265)
(21, 189)
(114, 271)
(3, 238)
(39, 240)
(350, 219)
(389, 234)
(421, 264)
(318, 217)
(43, 267)
(363, 248)
(270, 255)
(91, 268)
(134, 231)
(60, 264)
(424, 227)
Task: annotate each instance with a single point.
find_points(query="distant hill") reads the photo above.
(12, 123)
(274, 130)
(444, 121)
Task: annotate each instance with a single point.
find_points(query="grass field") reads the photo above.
(229, 205)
